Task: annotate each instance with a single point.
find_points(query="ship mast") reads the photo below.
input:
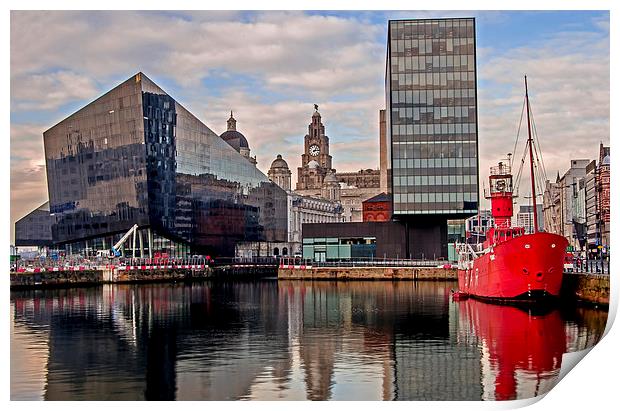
(529, 142)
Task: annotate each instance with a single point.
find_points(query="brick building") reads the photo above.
(377, 208)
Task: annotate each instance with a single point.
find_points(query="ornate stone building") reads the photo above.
(237, 140)
(317, 178)
(280, 174)
(315, 161)
(323, 208)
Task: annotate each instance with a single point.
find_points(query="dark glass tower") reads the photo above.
(136, 156)
(432, 117)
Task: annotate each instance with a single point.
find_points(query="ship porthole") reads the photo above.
(527, 246)
(552, 245)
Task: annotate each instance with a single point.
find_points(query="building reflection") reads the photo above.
(522, 347)
(289, 340)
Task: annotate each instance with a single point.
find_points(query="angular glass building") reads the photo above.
(432, 117)
(35, 228)
(136, 156)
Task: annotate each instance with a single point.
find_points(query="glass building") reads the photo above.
(35, 228)
(432, 117)
(136, 156)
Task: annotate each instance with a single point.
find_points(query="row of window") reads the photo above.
(433, 64)
(432, 180)
(432, 28)
(444, 46)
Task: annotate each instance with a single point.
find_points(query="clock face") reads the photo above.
(314, 150)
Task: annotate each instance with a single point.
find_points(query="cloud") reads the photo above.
(270, 67)
(49, 90)
(569, 88)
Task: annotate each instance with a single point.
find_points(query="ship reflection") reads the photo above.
(521, 347)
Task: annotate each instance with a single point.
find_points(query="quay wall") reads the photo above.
(51, 279)
(368, 273)
(586, 287)
(70, 278)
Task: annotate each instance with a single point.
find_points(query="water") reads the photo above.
(286, 341)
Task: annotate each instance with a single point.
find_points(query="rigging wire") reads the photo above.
(519, 173)
(514, 150)
(537, 141)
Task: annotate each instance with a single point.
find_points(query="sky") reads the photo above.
(270, 67)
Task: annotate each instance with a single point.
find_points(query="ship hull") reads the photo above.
(529, 267)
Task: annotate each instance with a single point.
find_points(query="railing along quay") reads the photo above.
(586, 266)
(287, 262)
(78, 263)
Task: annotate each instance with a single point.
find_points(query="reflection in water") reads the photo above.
(286, 341)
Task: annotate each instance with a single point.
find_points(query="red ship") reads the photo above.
(512, 264)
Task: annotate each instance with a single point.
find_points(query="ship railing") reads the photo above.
(467, 253)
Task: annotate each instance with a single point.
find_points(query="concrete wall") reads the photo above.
(367, 273)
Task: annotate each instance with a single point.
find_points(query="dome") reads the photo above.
(313, 164)
(316, 114)
(279, 163)
(235, 139)
(330, 178)
(605, 161)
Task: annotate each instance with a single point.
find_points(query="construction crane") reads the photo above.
(117, 246)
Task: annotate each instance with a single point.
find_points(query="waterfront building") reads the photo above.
(552, 211)
(431, 122)
(35, 228)
(593, 227)
(280, 174)
(137, 156)
(571, 226)
(432, 116)
(378, 208)
(525, 217)
(317, 178)
(304, 209)
(316, 160)
(603, 194)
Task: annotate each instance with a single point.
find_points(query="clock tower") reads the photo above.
(315, 161)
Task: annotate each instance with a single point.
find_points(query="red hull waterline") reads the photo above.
(528, 267)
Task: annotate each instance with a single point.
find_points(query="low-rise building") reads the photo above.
(377, 208)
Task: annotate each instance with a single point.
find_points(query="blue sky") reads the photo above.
(271, 67)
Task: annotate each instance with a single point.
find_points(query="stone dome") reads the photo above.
(235, 139)
(330, 178)
(279, 163)
(313, 164)
(316, 114)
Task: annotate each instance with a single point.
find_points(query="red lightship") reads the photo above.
(510, 264)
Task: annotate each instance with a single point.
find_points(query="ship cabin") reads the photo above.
(498, 235)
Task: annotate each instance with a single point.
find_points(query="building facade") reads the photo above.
(431, 123)
(593, 227)
(317, 178)
(315, 160)
(552, 206)
(603, 195)
(432, 116)
(525, 217)
(378, 208)
(572, 225)
(136, 156)
(35, 228)
(305, 209)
